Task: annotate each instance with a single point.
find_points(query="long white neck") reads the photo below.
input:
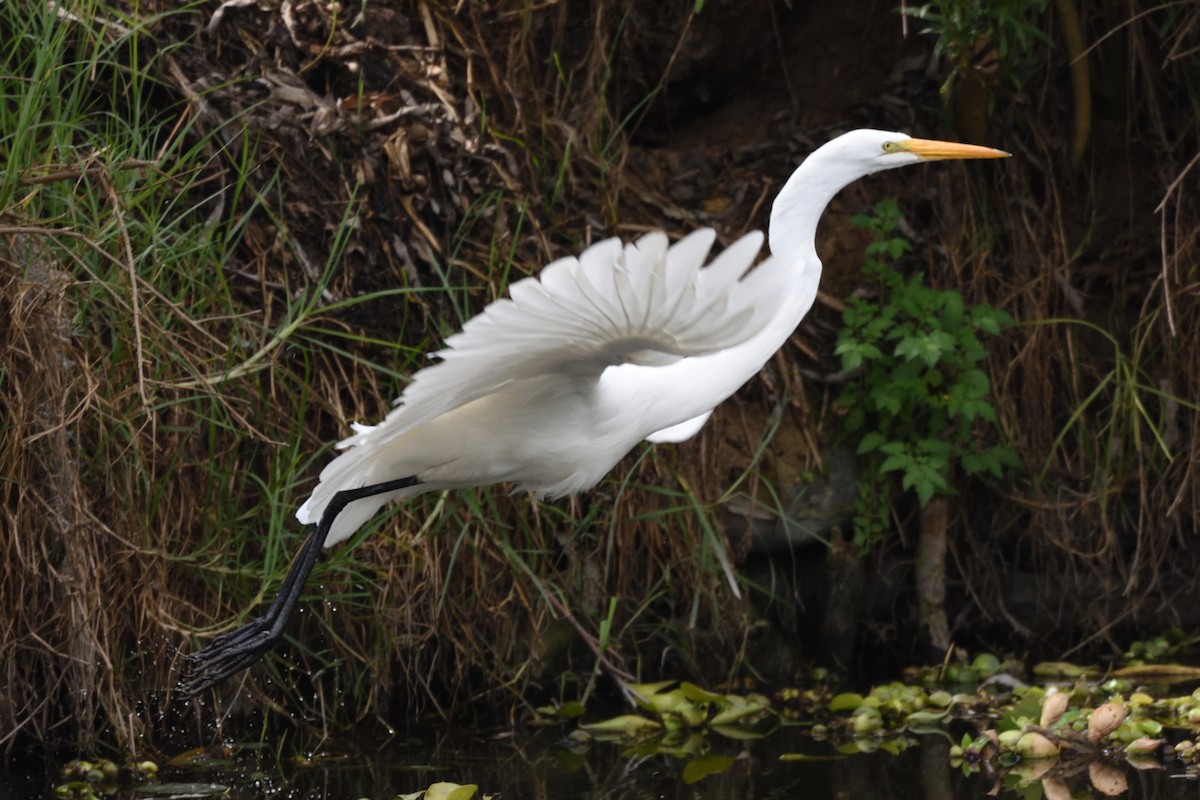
(794, 268)
(802, 201)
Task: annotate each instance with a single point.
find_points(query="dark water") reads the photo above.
(540, 767)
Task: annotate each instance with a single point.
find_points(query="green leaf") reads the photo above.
(846, 701)
(964, 409)
(450, 791)
(925, 480)
(927, 348)
(871, 351)
(869, 442)
(700, 768)
(952, 311)
(698, 695)
(737, 710)
(888, 403)
(910, 384)
(990, 320)
(630, 725)
(571, 709)
(999, 457)
(865, 221)
(894, 463)
(854, 352)
(974, 383)
(935, 448)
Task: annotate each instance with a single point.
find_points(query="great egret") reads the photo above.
(550, 388)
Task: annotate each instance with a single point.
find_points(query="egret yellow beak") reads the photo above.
(933, 150)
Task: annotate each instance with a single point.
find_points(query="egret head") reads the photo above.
(859, 153)
(872, 150)
(841, 161)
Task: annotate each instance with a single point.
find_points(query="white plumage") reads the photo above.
(518, 396)
(549, 388)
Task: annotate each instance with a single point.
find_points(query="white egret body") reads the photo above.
(549, 388)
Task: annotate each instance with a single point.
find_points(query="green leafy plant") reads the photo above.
(966, 30)
(917, 396)
(991, 50)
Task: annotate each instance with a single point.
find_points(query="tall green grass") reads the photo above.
(166, 419)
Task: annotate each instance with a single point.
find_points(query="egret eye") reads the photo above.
(892, 147)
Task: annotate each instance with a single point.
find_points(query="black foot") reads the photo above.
(238, 649)
(228, 653)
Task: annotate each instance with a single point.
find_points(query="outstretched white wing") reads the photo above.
(643, 303)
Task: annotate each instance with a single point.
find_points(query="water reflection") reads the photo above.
(539, 767)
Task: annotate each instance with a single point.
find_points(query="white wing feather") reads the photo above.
(642, 303)
(682, 431)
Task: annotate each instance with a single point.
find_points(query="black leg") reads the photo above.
(238, 649)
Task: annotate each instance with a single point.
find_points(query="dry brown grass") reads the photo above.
(67, 557)
(1099, 410)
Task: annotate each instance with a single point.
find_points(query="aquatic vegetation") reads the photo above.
(1072, 719)
(1044, 730)
(675, 709)
(212, 772)
(83, 779)
(444, 790)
